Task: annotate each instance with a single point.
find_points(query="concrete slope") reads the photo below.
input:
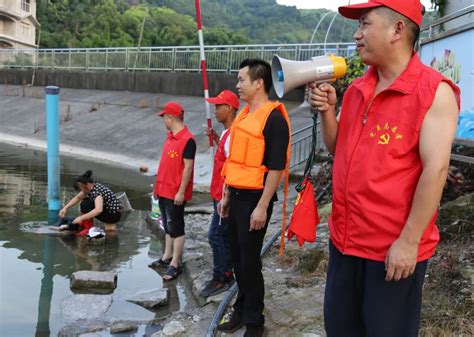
(118, 127)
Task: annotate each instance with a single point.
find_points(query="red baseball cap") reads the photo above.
(172, 108)
(225, 97)
(412, 9)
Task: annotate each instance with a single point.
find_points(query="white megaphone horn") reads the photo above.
(287, 74)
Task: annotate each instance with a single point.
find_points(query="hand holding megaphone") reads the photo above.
(322, 97)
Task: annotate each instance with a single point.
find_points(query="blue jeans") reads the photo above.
(219, 241)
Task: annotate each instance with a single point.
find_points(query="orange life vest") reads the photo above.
(244, 168)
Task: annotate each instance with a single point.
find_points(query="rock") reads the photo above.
(84, 307)
(173, 328)
(86, 279)
(81, 328)
(90, 334)
(123, 327)
(151, 299)
(196, 318)
(201, 209)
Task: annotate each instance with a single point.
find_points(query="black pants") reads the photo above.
(172, 217)
(245, 248)
(88, 205)
(360, 303)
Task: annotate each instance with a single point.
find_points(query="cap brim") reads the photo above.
(216, 100)
(356, 10)
(161, 114)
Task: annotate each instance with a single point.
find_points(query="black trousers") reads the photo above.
(245, 248)
(172, 217)
(88, 205)
(359, 302)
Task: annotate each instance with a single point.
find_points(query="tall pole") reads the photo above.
(52, 133)
(204, 73)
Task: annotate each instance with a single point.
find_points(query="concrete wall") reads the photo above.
(188, 84)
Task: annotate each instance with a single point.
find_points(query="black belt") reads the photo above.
(242, 191)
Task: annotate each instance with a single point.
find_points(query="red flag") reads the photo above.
(305, 216)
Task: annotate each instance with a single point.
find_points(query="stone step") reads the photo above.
(87, 279)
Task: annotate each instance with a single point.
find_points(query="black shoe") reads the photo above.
(255, 331)
(213, 287)
(232, 325)
(160, 263)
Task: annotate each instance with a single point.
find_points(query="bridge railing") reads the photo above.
(174, 59)
(301, 144)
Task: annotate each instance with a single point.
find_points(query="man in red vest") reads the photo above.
(174, 186)
(226, 105)
(259, 155)
(391, 145)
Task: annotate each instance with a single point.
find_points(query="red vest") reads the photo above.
(170, 171)
(219, 160)
(377, 162)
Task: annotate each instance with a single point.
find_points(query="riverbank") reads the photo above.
(121, 131)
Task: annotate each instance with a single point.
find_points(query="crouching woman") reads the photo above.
(97, 201)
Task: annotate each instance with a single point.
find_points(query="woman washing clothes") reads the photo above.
(97, 201)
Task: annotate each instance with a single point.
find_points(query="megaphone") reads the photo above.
(287, 74)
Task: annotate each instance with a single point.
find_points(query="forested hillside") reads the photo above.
(117, 23)
(264, 21)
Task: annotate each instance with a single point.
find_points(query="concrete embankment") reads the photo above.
(119, 127)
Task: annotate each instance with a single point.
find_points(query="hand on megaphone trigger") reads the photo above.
(322, 98)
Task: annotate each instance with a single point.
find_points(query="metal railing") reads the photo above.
(224, 58)
(301, 144)
(436, 27)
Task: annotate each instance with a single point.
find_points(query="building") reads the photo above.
(18, 24)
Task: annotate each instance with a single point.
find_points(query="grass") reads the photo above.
(447, 308)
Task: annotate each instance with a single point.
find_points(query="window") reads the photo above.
(25, 29)
(25, 5)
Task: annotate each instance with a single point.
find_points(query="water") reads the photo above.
(35, 268)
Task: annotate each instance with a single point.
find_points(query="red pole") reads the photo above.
(204, 71)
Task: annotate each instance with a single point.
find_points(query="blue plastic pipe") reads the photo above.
(52, 134)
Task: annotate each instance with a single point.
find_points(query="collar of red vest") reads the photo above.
(405, 83)
(179, 134)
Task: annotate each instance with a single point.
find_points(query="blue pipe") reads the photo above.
(52, 134)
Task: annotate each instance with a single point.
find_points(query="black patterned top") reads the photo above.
(111, 203)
